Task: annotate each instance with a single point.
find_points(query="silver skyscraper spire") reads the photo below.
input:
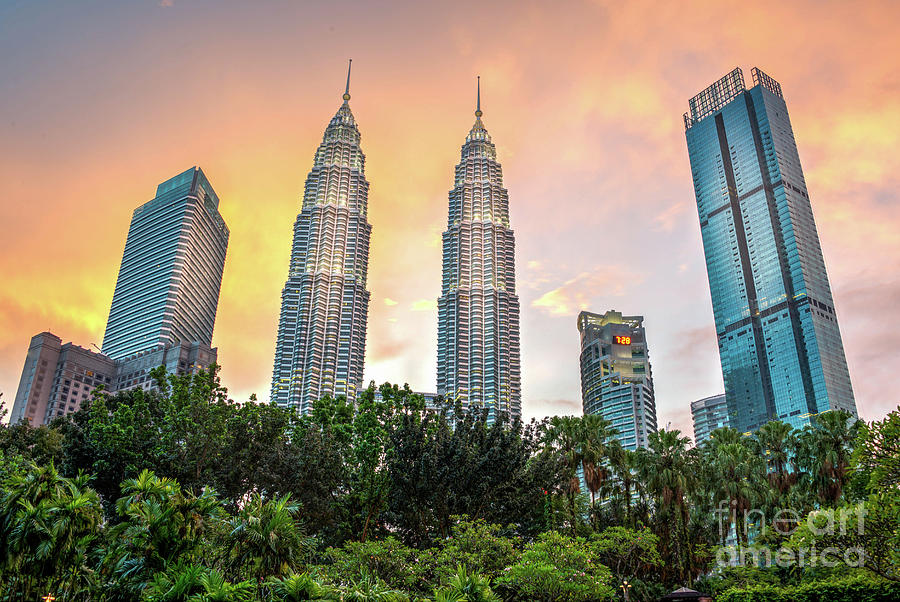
(478, 310)
(324, 305)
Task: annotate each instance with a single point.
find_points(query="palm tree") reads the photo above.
(825, 450)
(47, 529)
(160, 525)
(778, 442)
(663, 469)
(372, 589)
(300, 587)
(266, 538)
(623, 483)
(737, 474)
(564, 436)
(595, 433)
(468, 587)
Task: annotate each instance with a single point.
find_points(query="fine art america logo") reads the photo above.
(825, 538)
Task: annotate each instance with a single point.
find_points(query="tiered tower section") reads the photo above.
(478, 310)
(324, 305)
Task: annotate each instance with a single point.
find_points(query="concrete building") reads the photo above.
(57, 378)
(779, 342)
(478, 361)
(616, 379)
(709, 414)
(182, 358)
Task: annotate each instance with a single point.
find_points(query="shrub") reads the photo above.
(478, 546)
(554, 568)
(387, 560)
(855, 589)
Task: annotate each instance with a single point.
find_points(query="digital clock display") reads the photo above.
(623, 340)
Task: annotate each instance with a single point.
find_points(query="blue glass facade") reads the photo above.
(167, 291)
(779, 342)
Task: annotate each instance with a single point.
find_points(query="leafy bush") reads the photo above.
(856, 589)
(554, 568)
(476, 545)
(467, 586)
(387, 560)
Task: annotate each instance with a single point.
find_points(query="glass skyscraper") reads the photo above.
(478, 310)
(616, 379)
(779, 342)
(167, 291)
(324, 304)
(709, 414)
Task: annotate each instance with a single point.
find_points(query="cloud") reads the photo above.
(668, 219)
(580, 293)
(390, 302)
(538, 408)
(424, 305)
(167, 3)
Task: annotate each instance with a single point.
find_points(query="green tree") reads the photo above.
(159, 526)
(556, 568)
(565, 437)
(824, 452)
(48, 529)
(265, 539)
(596, 434)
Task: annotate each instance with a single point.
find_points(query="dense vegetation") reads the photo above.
(184, 495)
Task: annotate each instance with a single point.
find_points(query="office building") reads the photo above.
(779, 342)
(478, 311)
(167, 291)
(709, 414)
(57, 378)
(616, 379)
(321, 341)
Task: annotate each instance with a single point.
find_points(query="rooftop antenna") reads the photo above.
(347, 89)
(478, 112)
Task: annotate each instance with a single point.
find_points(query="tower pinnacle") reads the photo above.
(347, 89)
(478, 112)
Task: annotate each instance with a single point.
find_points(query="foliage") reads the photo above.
(476, 545)
(856, 589)
(467, 586)
(556, 567)
(387, 560)
(183, 494)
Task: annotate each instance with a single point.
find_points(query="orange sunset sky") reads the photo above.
(101, 101)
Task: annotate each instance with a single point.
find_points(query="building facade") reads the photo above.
(167, 291)
(181, 358)
(57, 378)
(321, 341)
(709, 414)
(779, 342)
(478, 310)
(616, 378)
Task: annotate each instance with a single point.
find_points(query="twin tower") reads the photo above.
(321, 341)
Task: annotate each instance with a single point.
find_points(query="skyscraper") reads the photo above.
(779, 342)
(709, 414)
(616, 380)
(478, 310)
(324, 304)
(168, 287)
